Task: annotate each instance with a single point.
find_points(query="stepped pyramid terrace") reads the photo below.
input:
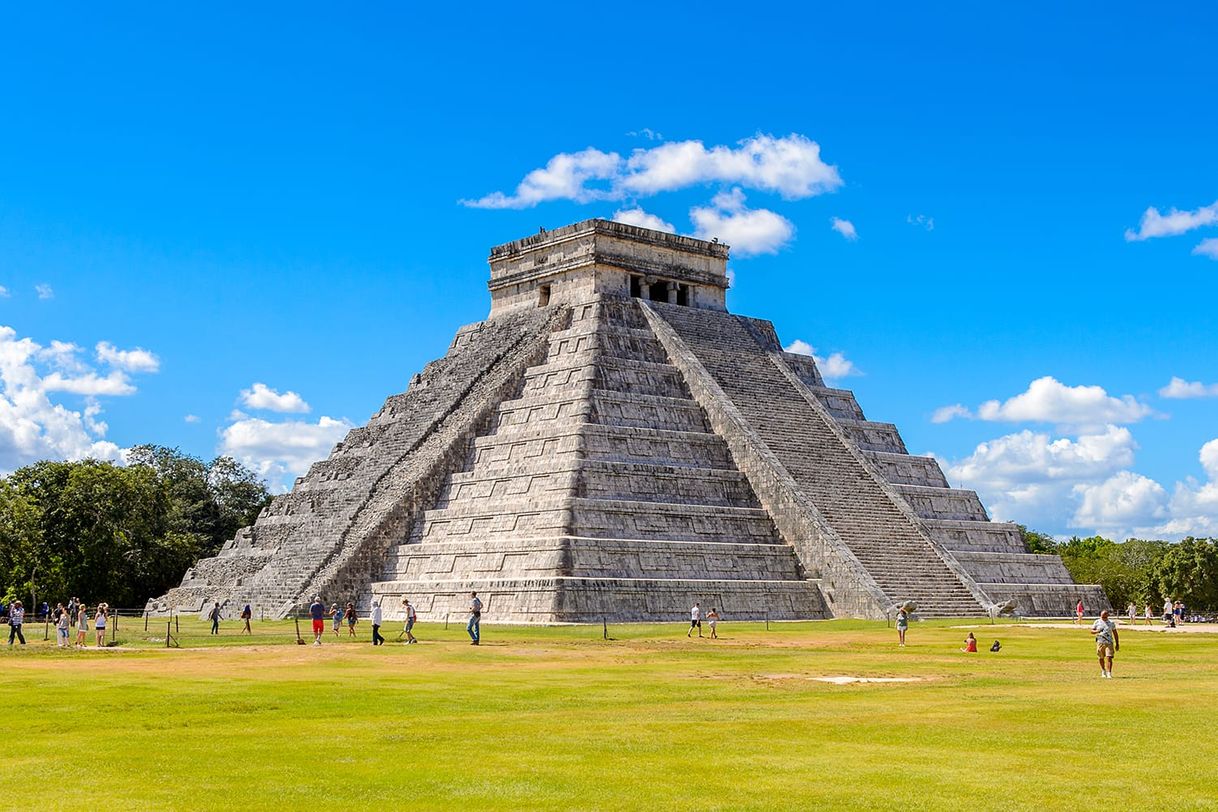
(612, 443)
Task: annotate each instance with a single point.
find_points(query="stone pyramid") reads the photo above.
(611, 443)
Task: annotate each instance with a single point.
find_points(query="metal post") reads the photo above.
(145, 620)
(177, 626)
(114, 627)
(299, 639)
(767, 623)
(446, 621)
(168, 630)
(605, 625)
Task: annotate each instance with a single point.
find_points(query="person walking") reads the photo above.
(712, 617)
(1078, 612)
(695, 620)
(410, 618)
(352, 619)
(902, 626)
(317, 612)
(1150, 618)
(336, 614)
(1167, 607)
(63, 629)
(99, 624)
(246, 615)
(474, 627)
(82, 626)
(377, 639)
(16, 619)
(1107, 642)
(214, 617)
(1132, 610)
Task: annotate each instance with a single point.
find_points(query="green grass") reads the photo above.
(559, 718)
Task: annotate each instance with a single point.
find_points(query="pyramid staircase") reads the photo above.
(599, 491)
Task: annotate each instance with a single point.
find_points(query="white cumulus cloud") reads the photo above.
(1047, 400)
(945, 414)
(638, 217)
(137, 359)
(1175, 222)
(844, 227)
(835, 365)
(1180, 389)
(1207, 248)
(1123, 501)
(747, 231)
(36, 426)
(44, 291)
(261, 396)
(790, 166)
(281, 451)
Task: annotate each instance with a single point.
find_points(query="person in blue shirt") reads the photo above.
(317, 611)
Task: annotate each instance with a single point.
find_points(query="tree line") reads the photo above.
(1139, 570)
(118, 533)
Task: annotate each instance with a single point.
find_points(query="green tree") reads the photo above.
(1188, 571)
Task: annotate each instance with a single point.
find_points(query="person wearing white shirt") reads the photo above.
(377, 639)
(695, 621)
(1107, 642)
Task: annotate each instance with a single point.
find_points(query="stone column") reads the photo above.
(672, 292)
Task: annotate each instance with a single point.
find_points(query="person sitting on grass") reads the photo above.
(82, 626)
(902, 626)
(970, 644)
(352, 619)
(712, 617)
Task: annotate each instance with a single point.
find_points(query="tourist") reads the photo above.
(902, 626)
(712, 617)
(377, 640)
(410, 618)
(970, 644)
(1167, 607)
(74, 608)
(337, 615)
(1078, 612)
(16, 619)
(82, 626)
(474, 627)
(695, 620)
(1179, 612)
(352, 619)
(63, 628)
(59, 610)
(246, 614)
(99, 624)
(1150, 616)
(1107, 642)
(317, 611)
(1132, 611)
(214, 617)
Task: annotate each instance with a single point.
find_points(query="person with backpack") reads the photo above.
(474, 627)
(246, 614)
(16, 619)
(214, 617)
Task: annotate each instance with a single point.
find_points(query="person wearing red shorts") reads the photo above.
(317, 611)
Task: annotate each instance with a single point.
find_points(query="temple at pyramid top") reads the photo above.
(612, 444)
(603, 257)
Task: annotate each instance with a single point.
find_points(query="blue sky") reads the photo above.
(271, 196)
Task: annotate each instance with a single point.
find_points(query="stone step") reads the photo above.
(611, 443)
(599, 518)
(908, 469)
(839, 402)
(598, 479)
(606, 372)
(1014, 568)
(976, 536)
(943, 503)
(591, 558)
(580, 404)
(591, 600)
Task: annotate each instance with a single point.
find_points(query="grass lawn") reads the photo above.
(559, 718)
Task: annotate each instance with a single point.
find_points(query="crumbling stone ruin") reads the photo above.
(611, 443)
